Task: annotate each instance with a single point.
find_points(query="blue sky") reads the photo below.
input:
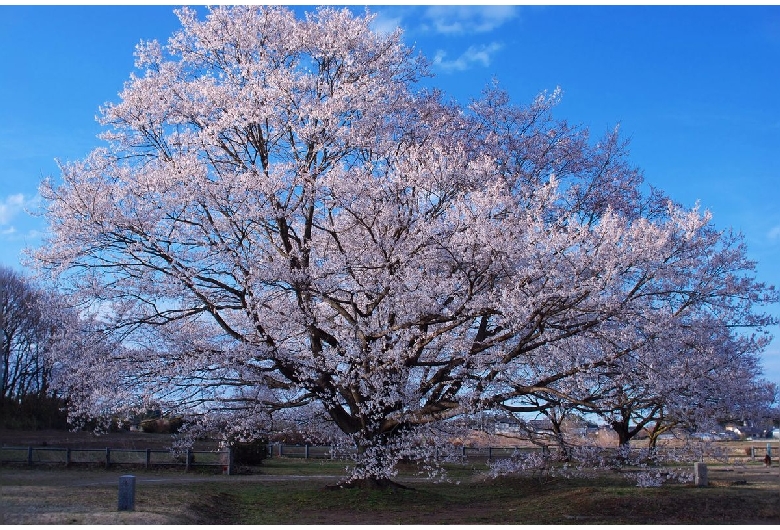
(696, 89)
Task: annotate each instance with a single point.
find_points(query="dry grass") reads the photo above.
(286, 491)
(57, 496)
(295, 491)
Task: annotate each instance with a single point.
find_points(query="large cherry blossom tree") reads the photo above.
(282, 218)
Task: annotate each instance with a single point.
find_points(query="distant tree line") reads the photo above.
(30, 325)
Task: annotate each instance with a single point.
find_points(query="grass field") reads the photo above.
(286, 491)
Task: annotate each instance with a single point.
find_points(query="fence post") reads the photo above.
(108, 457)
(281, 449)
(29, 456)
(490, 454)
(700, 474)
(306, 451)
(230, 460)
(187, 458)
(67, 457)
(148, 458)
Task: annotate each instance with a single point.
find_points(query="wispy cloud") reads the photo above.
(774, 234)
(13, 205)
(459, 20)
(475, 55)
(452, 20)
(10, 207)
(386, 22)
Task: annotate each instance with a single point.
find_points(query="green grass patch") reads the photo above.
(300, 466)
(296, 491)
(500, 501)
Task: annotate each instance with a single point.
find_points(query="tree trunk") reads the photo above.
(375, 462)
(624, 435)
(653, 440)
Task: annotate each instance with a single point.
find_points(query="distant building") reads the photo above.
(744, 431)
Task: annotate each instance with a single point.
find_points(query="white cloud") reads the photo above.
(774, 234)
(385, 24)
(474, 55)
(10, 207)
(456, 20)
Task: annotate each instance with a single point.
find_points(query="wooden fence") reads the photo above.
(758, 452)
(109, 457)
(148, 458)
